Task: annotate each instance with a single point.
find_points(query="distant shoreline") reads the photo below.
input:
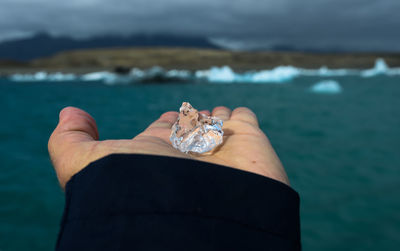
(85, 61)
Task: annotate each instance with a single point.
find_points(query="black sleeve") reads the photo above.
(144, 202)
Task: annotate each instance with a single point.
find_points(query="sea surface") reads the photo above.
(340, 145)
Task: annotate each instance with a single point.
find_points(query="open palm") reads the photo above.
(74, 143)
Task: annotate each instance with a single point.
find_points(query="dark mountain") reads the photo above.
(43, 45)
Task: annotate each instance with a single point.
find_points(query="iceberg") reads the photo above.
(217, 75)
(155, 74)
(327, 86)
(393, 72)
(106, 77)
(43, 76)
(158, 74)
(326, 72)
(179, 74)
(61, 77)
(225, 74)
(38, 76)
(97, 76)
(137, 73)
(380, 68)
(279, 74)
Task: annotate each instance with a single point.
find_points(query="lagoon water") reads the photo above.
(341, 150)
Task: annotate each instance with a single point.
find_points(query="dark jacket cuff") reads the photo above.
(133, 184)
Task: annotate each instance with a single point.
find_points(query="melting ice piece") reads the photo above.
(195, 132)
(327, 86)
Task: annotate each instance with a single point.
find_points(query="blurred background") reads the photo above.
(323, 77)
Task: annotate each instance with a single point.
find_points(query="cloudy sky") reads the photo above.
(238, 24)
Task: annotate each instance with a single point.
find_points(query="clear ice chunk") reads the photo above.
(195, 132)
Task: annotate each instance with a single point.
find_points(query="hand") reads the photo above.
(75, 143)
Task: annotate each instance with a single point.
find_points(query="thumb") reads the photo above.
(75, 128)
(78, 123)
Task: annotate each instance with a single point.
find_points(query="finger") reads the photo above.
(206, 112)
(75, 125)
(244, 114)
(222, 112)
(74, 120)
(166, 120)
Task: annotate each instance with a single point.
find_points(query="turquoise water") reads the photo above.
(341, 151)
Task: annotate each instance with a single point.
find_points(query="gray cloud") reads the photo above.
(353, 24)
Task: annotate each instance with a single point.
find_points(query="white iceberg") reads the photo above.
(327, 86)
(43, 76)
(380, 68)
(106, 77)
(58, 76)
(326, 72)
(279, 74)
(38, 76)
(218, 75)
(178, 74)
(98, 76)
(393, 72)
(137, 73)
(225, 74)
